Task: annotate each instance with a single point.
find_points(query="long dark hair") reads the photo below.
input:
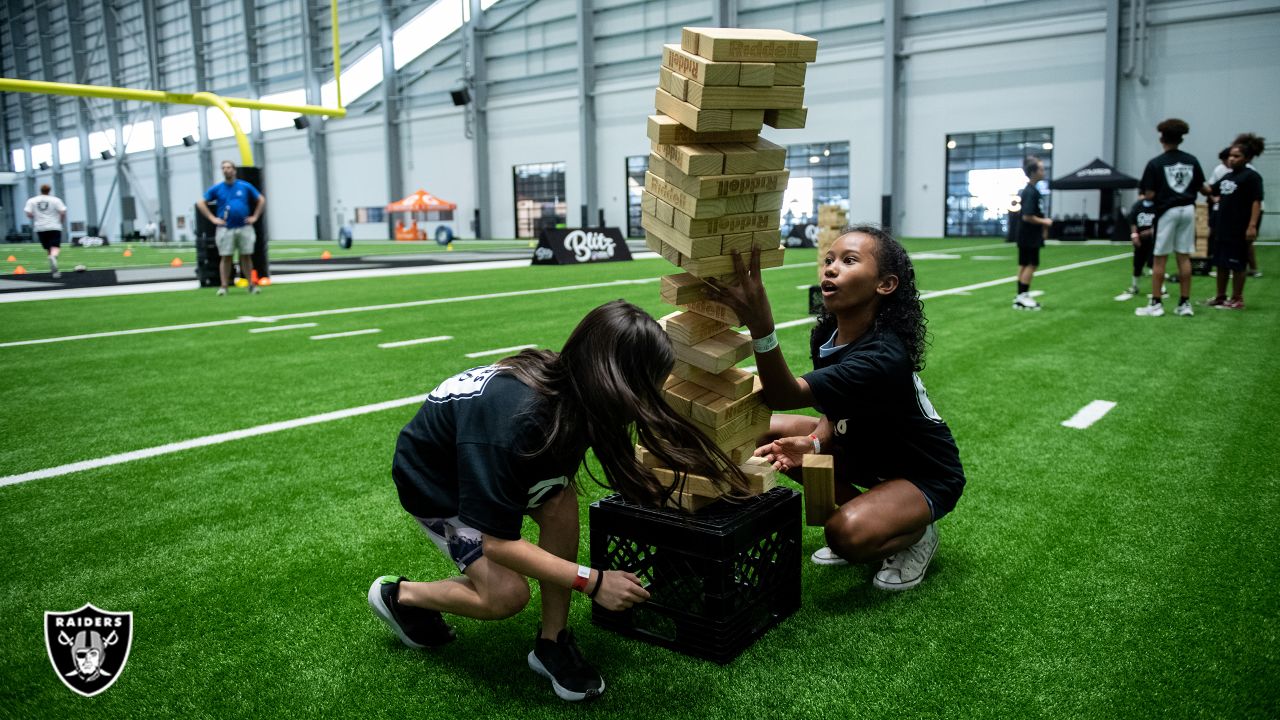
(899, 312)
(604, 390)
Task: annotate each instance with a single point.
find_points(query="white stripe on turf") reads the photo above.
(209, 440)
(1089, 414)
(274, 328)
(350, 333)
(499, 351)
(418, 341)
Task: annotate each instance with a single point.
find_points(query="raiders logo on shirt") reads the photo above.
(1178, 176)
(464, 385)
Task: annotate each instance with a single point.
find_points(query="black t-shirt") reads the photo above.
(463, 454)
(1032, 204)
(1238, 190)
(1175, 176)
(879, 411)
(1143, 215)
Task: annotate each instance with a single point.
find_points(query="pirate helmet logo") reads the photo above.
(88, 647)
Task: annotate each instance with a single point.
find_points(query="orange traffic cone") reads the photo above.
(128, 252)
(264, 281)
(177, 262)
(11, 259)
(19, 270)
(325, 255)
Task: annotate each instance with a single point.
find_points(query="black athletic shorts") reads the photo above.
(941, 494)
(1230, 254)
(1028, 254)
(50, 238)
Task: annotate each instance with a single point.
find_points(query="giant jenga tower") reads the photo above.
(714, 187)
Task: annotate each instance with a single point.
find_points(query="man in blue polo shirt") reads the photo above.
(235, 221)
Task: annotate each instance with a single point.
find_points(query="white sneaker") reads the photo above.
(1127, 294)
(1184, 309)
(904, 570)
(826, 556)
(221, 291)
(1025, 302)
(1150, 310)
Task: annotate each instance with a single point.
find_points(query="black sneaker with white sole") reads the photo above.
(416, 627)
(561, 662)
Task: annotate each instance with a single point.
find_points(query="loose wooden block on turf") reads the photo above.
(690, 328)
(680, 397)
(789, 73)
(683, 288)
(748, 45)
(668, 131)
(819, 475)
(700, 69)
(758, 75)
(693, 159)
(723, 264)
(707, 245)
(711, 97)
(723, 225)
(713, 309)
(717, 353)
(791, 119)
(733, 383)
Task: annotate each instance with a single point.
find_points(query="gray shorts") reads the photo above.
(231, 239)
(1176, 231)
(460, 543)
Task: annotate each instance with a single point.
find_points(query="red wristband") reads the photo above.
(580, 582)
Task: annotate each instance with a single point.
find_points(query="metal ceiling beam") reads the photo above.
(111, 39)
(46, 69)
(75, 18)
(250, 14)
(17, 41)
(891, 113)
(587, 112)
(390, 109)
(317, 142)
(161, 153)
(195, 14)
(477, 121)
(724, 13)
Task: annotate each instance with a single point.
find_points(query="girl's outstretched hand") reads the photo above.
(620, 590)
(747, 299)
(786, 453)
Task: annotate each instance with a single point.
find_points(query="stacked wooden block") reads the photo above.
(831, 220)
(714, 188)
(1202, 230)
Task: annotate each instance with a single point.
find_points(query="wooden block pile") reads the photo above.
(714, 187)
(1202, 230)
(831, 220)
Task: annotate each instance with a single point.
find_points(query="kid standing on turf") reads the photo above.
(876, 417)
(496, 443)
(1031, 233)
(1172, 180)
(1142, 221)
(1239, 208)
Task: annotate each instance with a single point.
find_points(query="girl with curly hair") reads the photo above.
(877, 420)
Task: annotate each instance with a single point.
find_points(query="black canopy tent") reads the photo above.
(1098, 175)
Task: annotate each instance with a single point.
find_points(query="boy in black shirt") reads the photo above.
(1031, 232)
(1172, 180)
(1142, 221)
(1240, 205)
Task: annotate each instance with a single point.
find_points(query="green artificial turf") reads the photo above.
(1123, 570)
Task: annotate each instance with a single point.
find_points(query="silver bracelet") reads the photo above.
(766, 343)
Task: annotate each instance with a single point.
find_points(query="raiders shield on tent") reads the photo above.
(88, 647)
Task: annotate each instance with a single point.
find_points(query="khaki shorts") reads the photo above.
(1176, 231)
(231, 239)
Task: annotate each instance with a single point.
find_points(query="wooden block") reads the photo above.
(789, 73)
(715, 354)
(699, 69)
(677, 85)
(723, 225)
(765, 239)
(748, 45)
(694, 118)
(648, 203)
(647, 458)
(711, 97)
(733, 383)
(757, 75)
(654, 243)
(742, 453)
(739, 430)
(693, 159)
(680, 397)
(713, 309)
(754, 468)
(691, 328)
(668, 172)
(731, 185)
(683, 201)
(689, 502)
(664, 212)
(738, 243)
(769, 156)
(740, 160)
(791, 119)
(693, 247)
(739, 204)
(767, 201)
(716, 410)
(819, 473)
(668, 131)
(683, 288)
(752, 120)
(758, 481)
(723, 264)
(672, 379)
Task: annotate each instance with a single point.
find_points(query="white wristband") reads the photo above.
(766, 343)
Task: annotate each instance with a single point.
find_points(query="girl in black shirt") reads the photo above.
(1239, 208)
(493, 444)
(877, 420)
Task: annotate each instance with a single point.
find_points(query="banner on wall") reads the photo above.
(573, 246)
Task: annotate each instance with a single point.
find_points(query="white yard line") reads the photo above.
(500, 351)
(274, 328)
(418, 341)
(350, 333)
(209, 440)
(1089, 414)
(1014, 278)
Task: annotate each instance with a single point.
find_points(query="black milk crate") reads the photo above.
(718, 579)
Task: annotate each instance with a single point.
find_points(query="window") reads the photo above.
(819, 176)
(984, 175)
(636, 167)
(539, 193)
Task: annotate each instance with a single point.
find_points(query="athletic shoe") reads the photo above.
(254, 290)
(57, 275)
(1184, 309)
(1255, 273)
(1025, 302)
(1127, 294)
(904, 570)
(416, 627)
(826, 556)
(221, 292)
(1152, 310)
(561, 662)
(1214, 302)
(1232, 304)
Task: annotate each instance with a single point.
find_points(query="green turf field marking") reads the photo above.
(418, 341)
(1089, 414)
(349, 333)
(275, 328)
(500, 351)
